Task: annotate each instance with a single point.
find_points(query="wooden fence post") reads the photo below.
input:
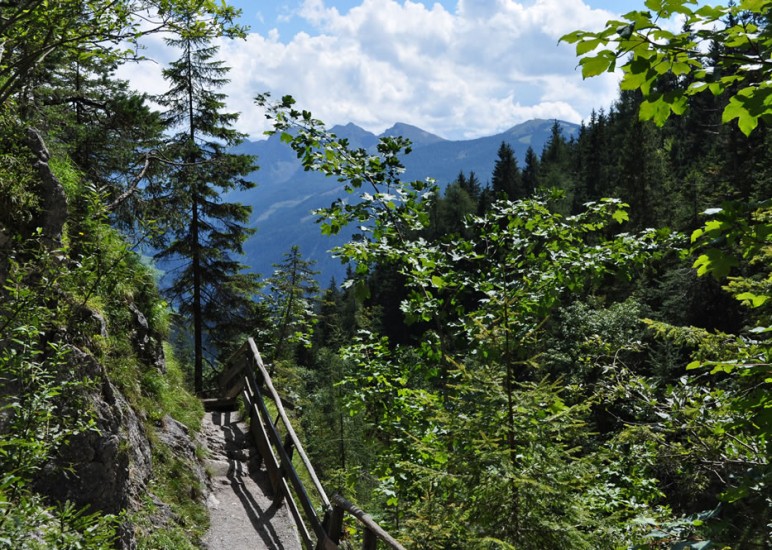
(370, 540)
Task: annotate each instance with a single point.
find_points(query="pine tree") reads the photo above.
(597, 152)
(202, 234)
(507, 180)
(469, 184)
(555, 149)
(293, 295)
(531, 172)
(108, 130)
(641, 173)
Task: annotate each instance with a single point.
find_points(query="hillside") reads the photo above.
(286, 195)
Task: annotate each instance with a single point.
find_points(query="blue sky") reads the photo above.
(458, 68)
(264, 16)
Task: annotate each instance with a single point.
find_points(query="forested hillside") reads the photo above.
(577, 356)
(574, 356)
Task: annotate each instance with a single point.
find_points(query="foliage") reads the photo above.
(17, 178)
(649, 50)
(35, 31)
(41, 408)
(28, 524)
(83, 315)
(732, 416)
(162, 394)
(507, 180)
(175, 487)
(57, 306)
(465, 416)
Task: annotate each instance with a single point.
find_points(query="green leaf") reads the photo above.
(654, 5)
(694, 365)
(716, 88)
(656, 110)
(715, 262)
(637, 80)
(598, 64)
(736, 109)
(697, 87)
(711, 12)
(754, 300)
(438, 282)
(681, 68)
(572, 37)
(678, 104)
(586, 46)
(621, 216)
(755, 6)
(727, 367)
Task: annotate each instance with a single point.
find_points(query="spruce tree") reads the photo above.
(471, 185)
(293, 297)
(202, 234)
(530, 172)
(598, 152)
(555, 148)
(555, 169)
(507, 181)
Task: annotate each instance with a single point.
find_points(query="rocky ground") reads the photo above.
(243, 516)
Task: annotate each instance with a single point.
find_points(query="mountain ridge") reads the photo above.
(286, 194)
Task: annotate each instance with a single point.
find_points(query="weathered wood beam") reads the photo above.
(368, 522)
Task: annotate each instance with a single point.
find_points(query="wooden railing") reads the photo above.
(247, 376)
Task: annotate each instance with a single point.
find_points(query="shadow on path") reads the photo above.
(250, 484)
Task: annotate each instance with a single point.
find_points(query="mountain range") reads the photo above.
(286, 195)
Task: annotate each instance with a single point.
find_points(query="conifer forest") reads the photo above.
(573, 351)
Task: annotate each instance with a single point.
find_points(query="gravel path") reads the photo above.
(243, 516)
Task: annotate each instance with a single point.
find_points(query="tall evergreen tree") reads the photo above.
(292, 303)
(555, 148)
(470, 184)
(530, 172)
(555, 170)
(641, 172)
(108, 130)
(473, 186)
(449, 211)
(203, 234)
(597, 152)
(507, 181)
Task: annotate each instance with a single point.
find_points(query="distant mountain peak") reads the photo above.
(350, 127)
(286, 193)
(357, 136)
(413, 133)
(524, 132)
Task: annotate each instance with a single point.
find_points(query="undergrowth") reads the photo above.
(83, 297)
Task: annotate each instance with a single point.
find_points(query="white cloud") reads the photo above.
(480, 69)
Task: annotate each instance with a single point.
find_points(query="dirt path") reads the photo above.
(243, 516)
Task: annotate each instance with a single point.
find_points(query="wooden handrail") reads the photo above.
(245, 373)
(369, 523)
(287, 424)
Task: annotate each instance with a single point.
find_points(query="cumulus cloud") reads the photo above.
(473, 71)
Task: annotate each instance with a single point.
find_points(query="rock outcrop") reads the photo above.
(53, 201)
(106, 468)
